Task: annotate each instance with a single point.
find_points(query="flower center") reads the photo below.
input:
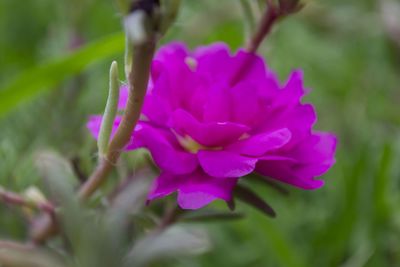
(191, 62)
(189, 144)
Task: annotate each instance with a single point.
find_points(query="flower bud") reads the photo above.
(110, 110)
(289, 6)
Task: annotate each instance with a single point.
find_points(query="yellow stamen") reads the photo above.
(191, 62)
(189, 144)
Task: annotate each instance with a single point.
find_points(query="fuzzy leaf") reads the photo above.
(174, 242)
(19, 255)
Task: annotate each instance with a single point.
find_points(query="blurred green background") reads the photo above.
(54, 59)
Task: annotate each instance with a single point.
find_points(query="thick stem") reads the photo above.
(138, 80)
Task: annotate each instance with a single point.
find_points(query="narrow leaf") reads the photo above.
(174, 242)
(271, 184)
(19, 255)
(43, 77)
(211, 216)
(251, 198)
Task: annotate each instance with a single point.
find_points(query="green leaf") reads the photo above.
(33, 81)
(19, 255)
(58, 176)
(174, 242)
(248, 196)
(211, 216)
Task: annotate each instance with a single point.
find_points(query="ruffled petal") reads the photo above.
(172, 77)
(292, 91)
(123, 96)
(94, 124)
(225, 164)
(207, 134)
(156, 109)
(165, 184)
(312, 158)
(212, 61)
(317, 153)
(298, 119)
(194, 200)
(176, 51)
(258, 145)
(195, 190)
(165, 150)
(247, 67)
(245, 103)
(217, 107)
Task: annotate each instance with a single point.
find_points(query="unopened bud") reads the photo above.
(289, 6)
(34, 195)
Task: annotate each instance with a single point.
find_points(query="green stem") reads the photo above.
(138, 80)
(248, 17)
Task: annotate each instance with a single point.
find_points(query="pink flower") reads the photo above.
(210, 118)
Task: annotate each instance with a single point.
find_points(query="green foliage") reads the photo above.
(28, 84)
(349, 63)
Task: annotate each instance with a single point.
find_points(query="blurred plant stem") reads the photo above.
(147, 24)
(271, 15)
(138, 79)
(390, 15)
(249, 18)
(273, 12)
(13, 198)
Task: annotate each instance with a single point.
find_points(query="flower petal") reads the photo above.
(94, 124)
(172, 51)
(123, 96)
(259, 144)
(217, 106)
(313, 157)
(225, 163)
(292, 91)
(194, 200)
(248, 67)
(299, 120)
(212, 60)
(164, 184)
(245, 102)
(207, 134)
(195, 190)
(165, 150)
(156, 109)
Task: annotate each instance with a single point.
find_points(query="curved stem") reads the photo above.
(12, 198)
(138, 80)
(268, 19)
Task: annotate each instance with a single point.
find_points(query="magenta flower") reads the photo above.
(210, 118)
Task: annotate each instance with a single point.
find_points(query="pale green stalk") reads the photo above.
(250, 23)
(110, 111)
(170, 9)
(128, 56)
